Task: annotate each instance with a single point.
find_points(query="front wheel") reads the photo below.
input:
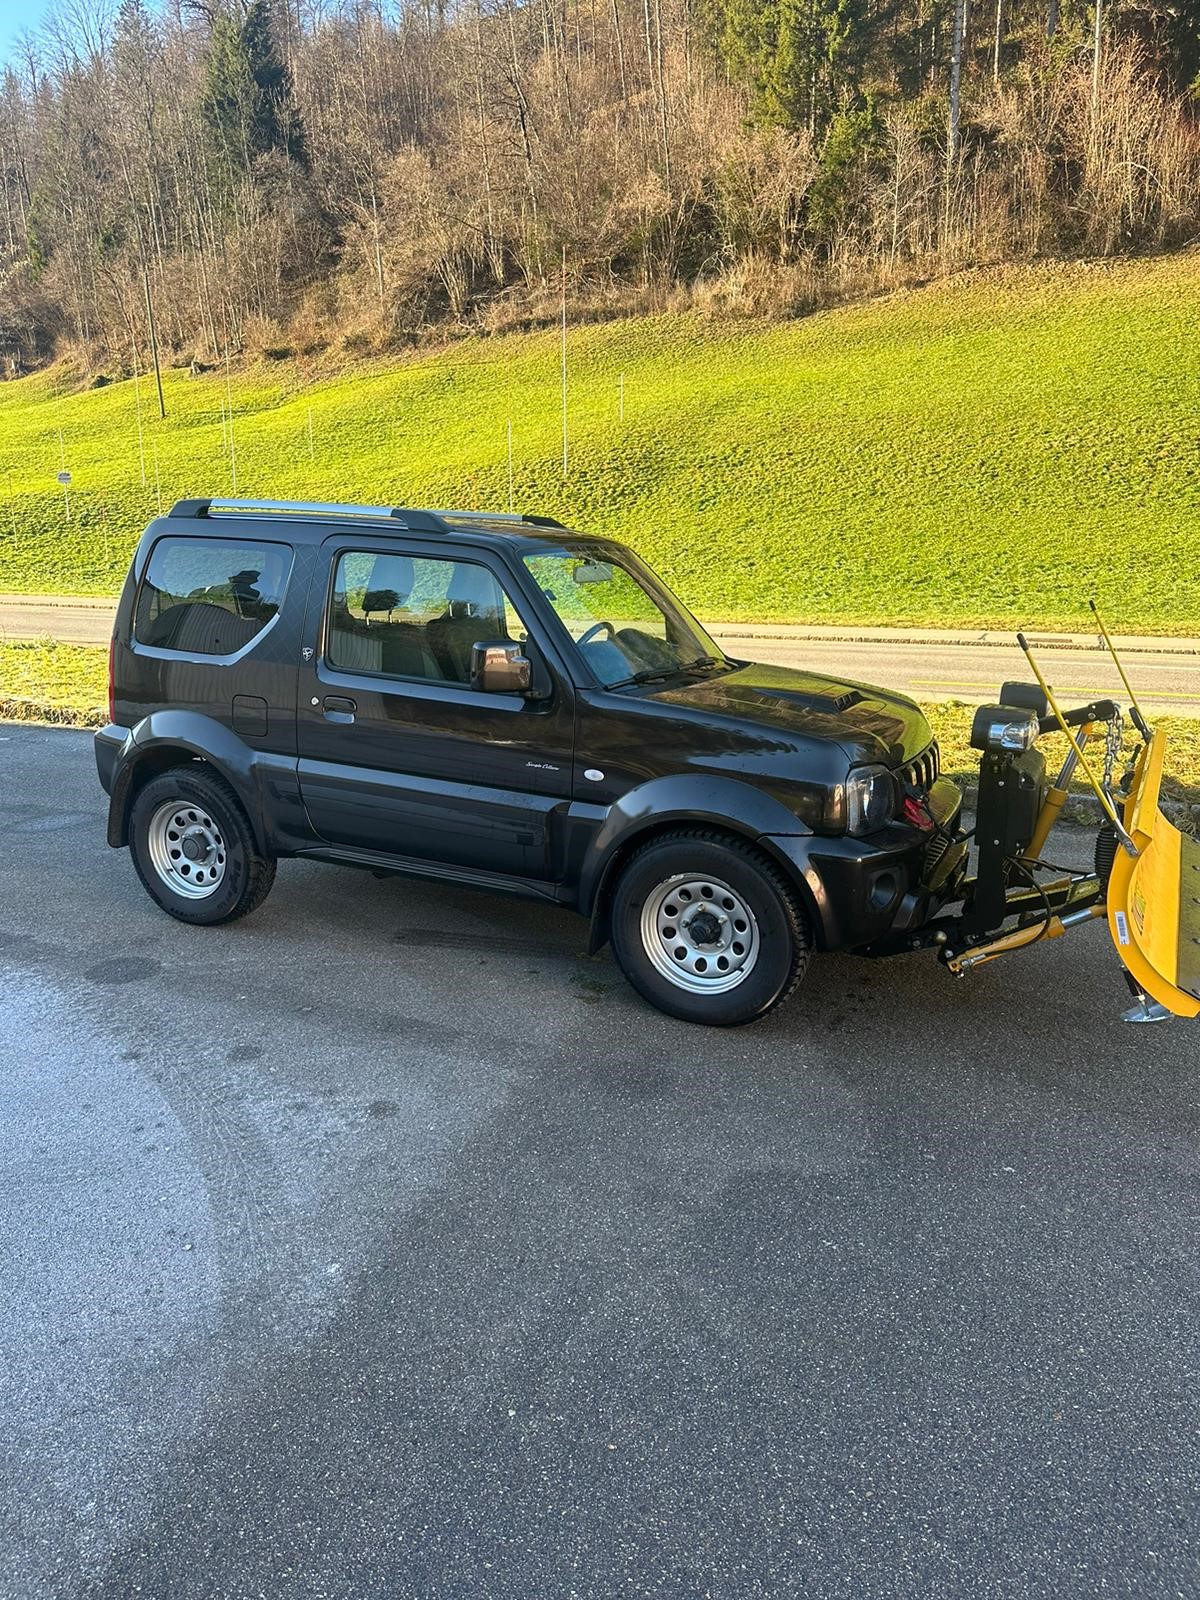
(708, 929)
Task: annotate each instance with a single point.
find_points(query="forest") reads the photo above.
(294, 177)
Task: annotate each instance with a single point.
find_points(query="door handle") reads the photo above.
(340, 708)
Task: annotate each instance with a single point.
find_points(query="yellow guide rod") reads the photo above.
(1143, 726)
(1097, 786)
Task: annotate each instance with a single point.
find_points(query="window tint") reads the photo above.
(414, 616)
(209, 597)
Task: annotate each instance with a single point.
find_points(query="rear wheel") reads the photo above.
(708, 929)
(194, 849)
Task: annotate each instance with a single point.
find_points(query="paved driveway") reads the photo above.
(384, 1245)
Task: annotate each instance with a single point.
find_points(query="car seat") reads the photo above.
(474, 610)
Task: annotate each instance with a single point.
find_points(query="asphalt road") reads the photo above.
(929, 664)
(952, 666)
(383, 1245)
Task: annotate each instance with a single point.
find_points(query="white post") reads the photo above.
(564, 358)
(137, 400)
(510, 466)
(229, 403)
(62, 462)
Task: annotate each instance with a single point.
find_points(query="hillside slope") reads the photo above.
(987, 450)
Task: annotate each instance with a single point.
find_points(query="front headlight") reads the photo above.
(870, 799)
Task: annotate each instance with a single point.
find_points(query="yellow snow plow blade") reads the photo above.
(1154, 897)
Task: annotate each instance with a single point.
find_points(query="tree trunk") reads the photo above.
(952, 133)
(1096, 49)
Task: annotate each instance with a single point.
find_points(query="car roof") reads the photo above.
(309, 522)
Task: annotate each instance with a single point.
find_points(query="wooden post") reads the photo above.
(564, 361)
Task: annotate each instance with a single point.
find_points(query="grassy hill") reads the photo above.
(987, 450)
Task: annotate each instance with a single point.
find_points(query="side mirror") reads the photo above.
(499, 666)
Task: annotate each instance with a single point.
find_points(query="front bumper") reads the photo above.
(893, 881)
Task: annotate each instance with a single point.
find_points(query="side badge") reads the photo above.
(593, 775)
(307, 652)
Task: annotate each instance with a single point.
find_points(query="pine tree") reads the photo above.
(228, 96)
(274, 121)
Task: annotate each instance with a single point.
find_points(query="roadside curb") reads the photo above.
(1138, 644)
(57, 603)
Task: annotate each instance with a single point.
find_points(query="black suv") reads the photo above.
(497, 700)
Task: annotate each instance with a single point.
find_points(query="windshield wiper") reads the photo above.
(660, 674)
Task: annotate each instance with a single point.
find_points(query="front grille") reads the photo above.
(922, 771)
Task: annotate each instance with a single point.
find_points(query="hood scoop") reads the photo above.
(824, 704)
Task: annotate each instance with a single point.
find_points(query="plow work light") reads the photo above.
(1004, 729)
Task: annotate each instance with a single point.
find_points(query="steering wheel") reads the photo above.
(596, 627)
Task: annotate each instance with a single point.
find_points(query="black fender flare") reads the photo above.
(199, 736)
(682, 800)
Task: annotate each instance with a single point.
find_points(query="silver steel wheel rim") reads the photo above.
(699, 934)
(187, 849)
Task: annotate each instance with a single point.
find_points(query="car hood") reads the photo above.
(871, 724)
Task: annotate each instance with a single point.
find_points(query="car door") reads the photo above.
(398, 753)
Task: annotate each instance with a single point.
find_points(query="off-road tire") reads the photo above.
(248, 875)
(784, 930)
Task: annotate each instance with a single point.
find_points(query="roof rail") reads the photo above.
(516, 517)
(411, 517)
(476, 516)
(422, 521)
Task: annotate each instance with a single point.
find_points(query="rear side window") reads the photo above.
(209, 597)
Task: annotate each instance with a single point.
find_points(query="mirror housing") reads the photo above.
(501, 666)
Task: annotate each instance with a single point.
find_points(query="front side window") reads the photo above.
(414, 616)
(626, 631)
(209, 597)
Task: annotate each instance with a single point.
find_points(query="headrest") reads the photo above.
(473, 585)
(390, 575)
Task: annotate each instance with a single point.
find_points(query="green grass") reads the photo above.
(989, 450)
(45, 682)
(41, 681)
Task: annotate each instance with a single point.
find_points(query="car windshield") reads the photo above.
(625, 627)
